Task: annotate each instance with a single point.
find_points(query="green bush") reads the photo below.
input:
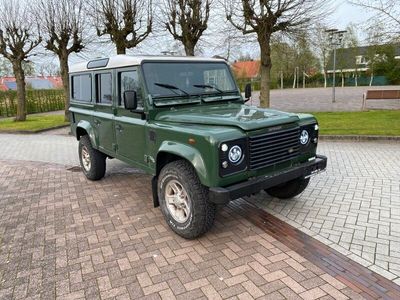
(36, 101)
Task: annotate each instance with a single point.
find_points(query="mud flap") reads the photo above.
(154, 180)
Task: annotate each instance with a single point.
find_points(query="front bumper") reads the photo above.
(222, 195)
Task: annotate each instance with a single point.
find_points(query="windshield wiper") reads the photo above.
(204, 86)
(171, 87)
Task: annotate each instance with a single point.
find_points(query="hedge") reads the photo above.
(36, 101)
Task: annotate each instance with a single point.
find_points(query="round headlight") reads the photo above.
(235, 154)
(304, 137)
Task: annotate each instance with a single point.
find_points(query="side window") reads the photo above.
(82, 87)
(128, 81)
(104, 88)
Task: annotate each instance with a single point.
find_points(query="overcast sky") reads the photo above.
(346, 13)
(343, 14)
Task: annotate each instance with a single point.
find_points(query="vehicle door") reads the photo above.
(130, 125)
(103, 112)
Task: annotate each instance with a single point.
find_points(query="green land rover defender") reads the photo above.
(184, 121)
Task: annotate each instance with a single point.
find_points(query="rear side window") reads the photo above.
(104, 88)
(82, 87)
(129, 81)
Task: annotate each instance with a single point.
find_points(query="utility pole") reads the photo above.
(335, 39)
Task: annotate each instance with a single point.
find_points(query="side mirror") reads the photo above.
(247, 91)
(130, 100)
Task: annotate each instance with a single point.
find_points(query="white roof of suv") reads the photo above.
(120, 61)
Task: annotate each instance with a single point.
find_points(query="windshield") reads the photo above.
(170, 79)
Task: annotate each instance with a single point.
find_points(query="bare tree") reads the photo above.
(17, 40)
(321, 45)
(5, 67)
(268, 17)
(187, 20)
(387, 11)
(127, 22)
(49, 69)
(62, 24)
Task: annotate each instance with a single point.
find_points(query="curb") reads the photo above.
(33, 132)
(358, 138)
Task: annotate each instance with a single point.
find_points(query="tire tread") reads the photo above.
(289, 189)
(205, 213)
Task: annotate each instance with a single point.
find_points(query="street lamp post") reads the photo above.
(335, 39)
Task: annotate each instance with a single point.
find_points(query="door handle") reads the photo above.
(119, 127)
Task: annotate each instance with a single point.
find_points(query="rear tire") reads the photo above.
(184, 200)
(289, 189)
(93, 162)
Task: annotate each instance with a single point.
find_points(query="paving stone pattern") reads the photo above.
(52, 147)
(66, 237)
(354, 206)
(320, 99)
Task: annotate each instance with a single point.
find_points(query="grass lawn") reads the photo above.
(32, 123)
(376, 122)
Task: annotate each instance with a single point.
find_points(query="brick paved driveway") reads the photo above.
(63, 236)
(354, 207)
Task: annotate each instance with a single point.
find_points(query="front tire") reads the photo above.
(289, 189)
(93, 162)
(184, 200)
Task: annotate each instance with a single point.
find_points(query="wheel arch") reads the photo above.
(85, 128)
(169, 152)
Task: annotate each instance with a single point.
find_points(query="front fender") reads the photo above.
(190, 154)
(85, 125)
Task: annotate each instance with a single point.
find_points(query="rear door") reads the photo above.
(103, 116)
(130, 125)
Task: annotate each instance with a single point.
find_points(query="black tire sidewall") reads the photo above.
(289, 189)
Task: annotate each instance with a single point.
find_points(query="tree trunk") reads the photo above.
(189, 49)
(64, 69)
(265, 70)
(325, 80)
(294, 78)
(121, 49)
(21, 92)
(342, 79)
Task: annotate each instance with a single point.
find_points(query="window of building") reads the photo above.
(104, 88)
(82, 87)
(129, 81)
(361, 60)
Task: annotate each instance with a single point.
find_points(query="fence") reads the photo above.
(36, 101)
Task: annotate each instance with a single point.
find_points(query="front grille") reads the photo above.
(272, 148)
